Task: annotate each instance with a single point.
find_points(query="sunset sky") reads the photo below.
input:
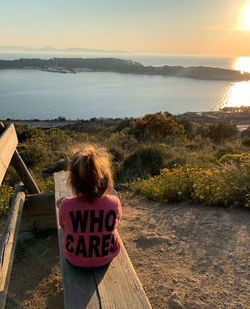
(192, 27)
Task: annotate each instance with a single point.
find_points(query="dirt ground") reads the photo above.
(185, 257)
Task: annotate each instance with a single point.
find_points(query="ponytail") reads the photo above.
(90, 173)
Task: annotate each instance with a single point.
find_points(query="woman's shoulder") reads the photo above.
(111, 197)
(69, 201)
(109, 200)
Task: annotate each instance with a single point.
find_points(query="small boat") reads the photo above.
(58, 70)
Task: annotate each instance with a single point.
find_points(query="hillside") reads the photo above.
(125, 66)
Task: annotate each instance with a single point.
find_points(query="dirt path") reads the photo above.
(185, 257)
(189, 256)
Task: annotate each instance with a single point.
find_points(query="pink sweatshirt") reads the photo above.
(90, 235)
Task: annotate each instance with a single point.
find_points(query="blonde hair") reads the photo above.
(90, 173)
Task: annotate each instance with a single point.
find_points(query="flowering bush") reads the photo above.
(47, 185)
(157, 126)
(226, 185)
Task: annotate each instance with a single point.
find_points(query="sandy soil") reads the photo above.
(185, 257)
(189, 256)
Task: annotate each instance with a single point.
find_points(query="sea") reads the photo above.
(35, 94)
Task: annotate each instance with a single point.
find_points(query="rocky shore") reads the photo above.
(240, 117)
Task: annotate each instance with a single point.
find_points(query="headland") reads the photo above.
(74, 65)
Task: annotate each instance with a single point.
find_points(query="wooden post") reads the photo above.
(8, 143)
(22, 170)
(9, 240)
(24, 173)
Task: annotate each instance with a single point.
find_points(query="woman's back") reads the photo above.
(90, 219)
(90, 238)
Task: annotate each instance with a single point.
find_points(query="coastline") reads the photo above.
(74, 65)
(240, 118)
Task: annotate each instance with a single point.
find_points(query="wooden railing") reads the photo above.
(9, 155)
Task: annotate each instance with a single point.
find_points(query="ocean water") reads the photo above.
(30, 94)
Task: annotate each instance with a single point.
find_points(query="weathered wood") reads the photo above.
(8, 143)
(39, 212)
(18, 163)
(24, 174)
(79, 288)
(120, 287)
(8, 244)
(39, 204)
(116, 287)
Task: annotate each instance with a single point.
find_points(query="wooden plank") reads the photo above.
(118, 286)
(8, 143)
(79, 287)
(39, 212)
(9, 240)
(20, 166)
(39, 204)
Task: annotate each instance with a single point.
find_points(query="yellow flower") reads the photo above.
(201, 197)
(194, 185)
(207, 187)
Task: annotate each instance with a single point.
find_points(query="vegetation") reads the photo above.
(126, 66)
(221, 130)
(159, 156)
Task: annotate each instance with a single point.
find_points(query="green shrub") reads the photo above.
(144, 162)
(34, 153)
(11, 177)
(25, 133)
(122, 124)
(188, 127)
(99, 130)
(221, 130)
(5, 193)
(124, 141)
(117, 153)
(61, 118)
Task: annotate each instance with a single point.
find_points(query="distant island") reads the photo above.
(49, 49)
(72, 65)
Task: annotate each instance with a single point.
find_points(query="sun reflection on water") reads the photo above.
(238, 94)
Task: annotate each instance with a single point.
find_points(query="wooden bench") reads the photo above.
(115, 287)
(9, 154)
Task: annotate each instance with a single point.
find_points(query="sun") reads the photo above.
(246, 16)
(243, 18)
